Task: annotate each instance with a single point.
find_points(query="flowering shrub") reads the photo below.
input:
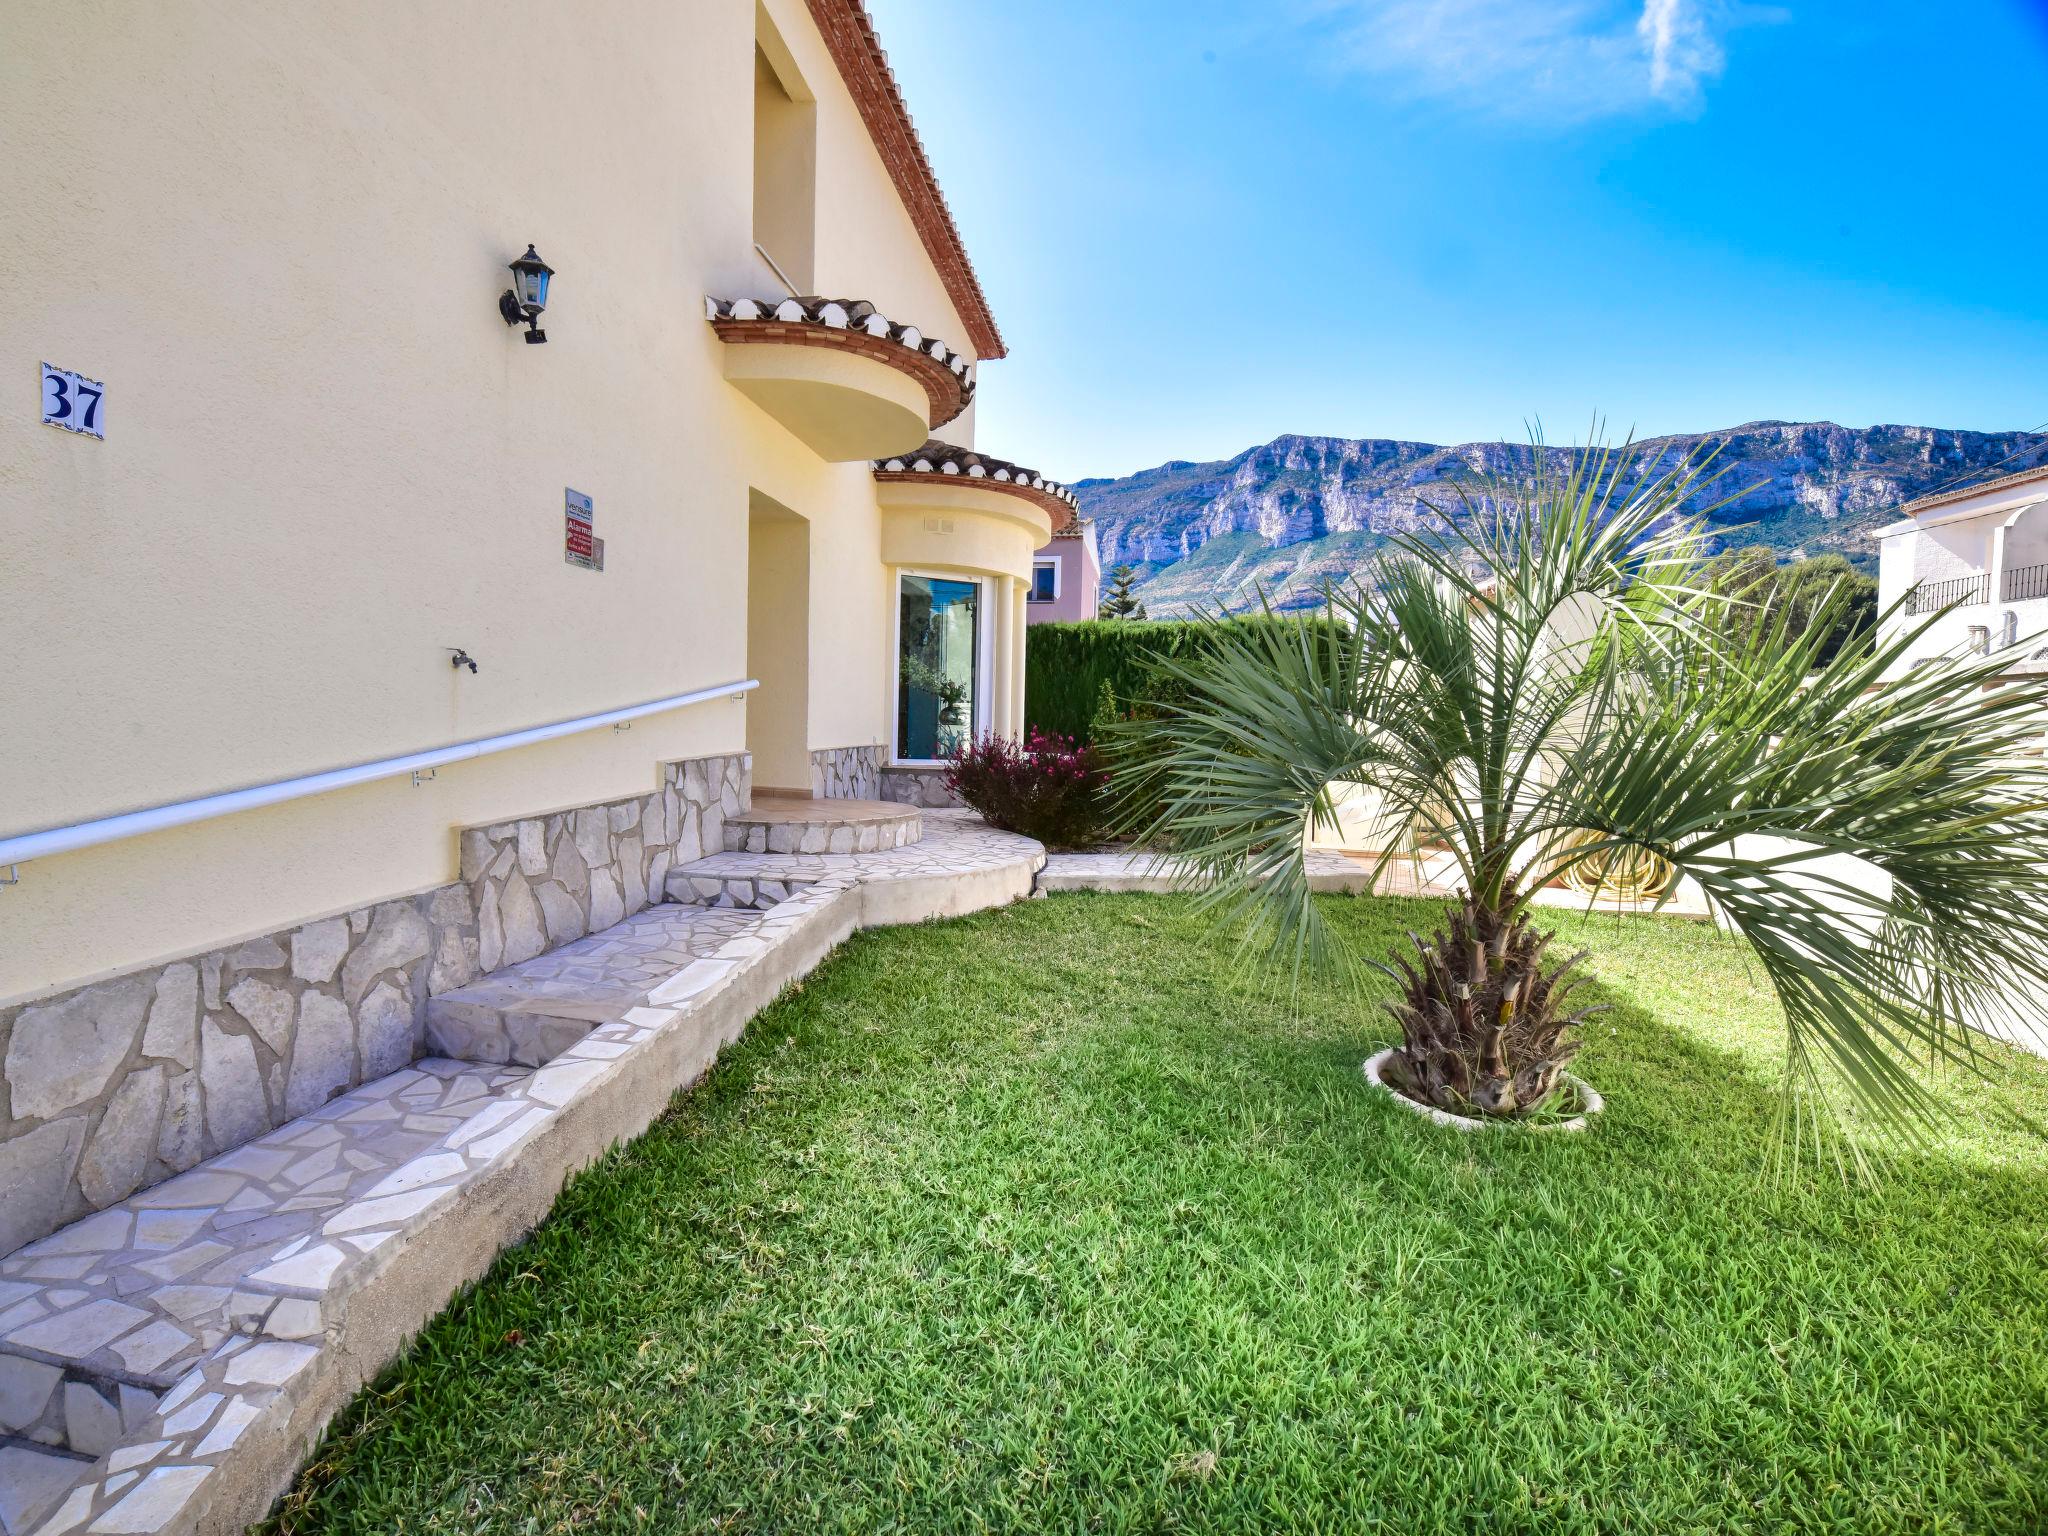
(1045, 788)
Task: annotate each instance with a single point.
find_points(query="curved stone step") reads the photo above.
(787, 824)
(528, 1014)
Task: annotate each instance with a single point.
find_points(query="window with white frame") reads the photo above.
(1045, 581)
(939, 666)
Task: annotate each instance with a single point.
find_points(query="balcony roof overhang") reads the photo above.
(938, 464)
(844, 379)
(952, 507)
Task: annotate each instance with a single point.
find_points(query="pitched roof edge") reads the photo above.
(864, 67)
(2002, 482)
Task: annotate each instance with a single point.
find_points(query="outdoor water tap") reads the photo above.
(459, 659)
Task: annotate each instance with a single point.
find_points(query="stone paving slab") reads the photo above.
(954, 842)
(529, 1013)
(126, 1300)
(733, 890)
(165, 1363)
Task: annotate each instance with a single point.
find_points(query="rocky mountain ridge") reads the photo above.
(1291, 514)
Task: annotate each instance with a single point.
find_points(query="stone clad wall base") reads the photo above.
(847, 773)
(917, 786)
(542, 881)
(114, 1087)
(119, 1085)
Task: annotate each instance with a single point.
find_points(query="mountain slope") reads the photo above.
(1298, 511)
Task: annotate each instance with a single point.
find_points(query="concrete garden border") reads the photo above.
(1579, 1122)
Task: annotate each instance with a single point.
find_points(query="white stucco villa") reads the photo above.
(496, 547)
(1982, 549)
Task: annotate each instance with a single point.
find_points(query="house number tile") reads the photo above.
(74, 402)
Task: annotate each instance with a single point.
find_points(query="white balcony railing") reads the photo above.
(2025, 583)
(1931, 596)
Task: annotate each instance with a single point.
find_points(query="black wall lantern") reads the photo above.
(528, 295)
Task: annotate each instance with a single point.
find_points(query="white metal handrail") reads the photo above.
(179, 813)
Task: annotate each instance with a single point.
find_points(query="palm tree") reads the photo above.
(1547, 681)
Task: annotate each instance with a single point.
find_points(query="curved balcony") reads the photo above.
(847, 381)
(954, 508)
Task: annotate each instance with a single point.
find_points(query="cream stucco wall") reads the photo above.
(958, 520)
(778, 644)
(278, 234)
(863, 228)
(936, 524)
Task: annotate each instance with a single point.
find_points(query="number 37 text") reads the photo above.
(72, 401)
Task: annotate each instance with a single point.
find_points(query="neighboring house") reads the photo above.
(347, 588)
(1066, 576)
(1985, 550)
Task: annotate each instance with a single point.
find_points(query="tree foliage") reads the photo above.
(1757, 589)
(1121, 602)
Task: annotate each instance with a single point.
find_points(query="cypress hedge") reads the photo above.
(1067, 664)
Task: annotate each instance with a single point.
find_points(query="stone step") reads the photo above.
(253, 1254)
(755, 892)
(779, 824)
(64, 1409)
(528, 1014)
(122, 1336)
(246, 1244)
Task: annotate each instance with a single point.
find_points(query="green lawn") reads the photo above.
(1036, 1222)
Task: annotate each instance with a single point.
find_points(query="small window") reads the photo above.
(1045, 581)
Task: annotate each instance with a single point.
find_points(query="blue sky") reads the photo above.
(1203, 224)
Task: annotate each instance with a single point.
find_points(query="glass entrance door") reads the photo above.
(938, 666)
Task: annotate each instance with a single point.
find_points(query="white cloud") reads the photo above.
(1557, 59)
(1683, 51)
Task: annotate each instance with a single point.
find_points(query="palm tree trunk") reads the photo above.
(1482, 1019)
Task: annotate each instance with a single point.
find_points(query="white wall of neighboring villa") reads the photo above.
(1984, 550)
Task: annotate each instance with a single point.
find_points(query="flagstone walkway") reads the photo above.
(166, 1364)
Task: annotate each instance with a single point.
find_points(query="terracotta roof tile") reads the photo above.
(939, 458)
(1964, 493)
(854, 317)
